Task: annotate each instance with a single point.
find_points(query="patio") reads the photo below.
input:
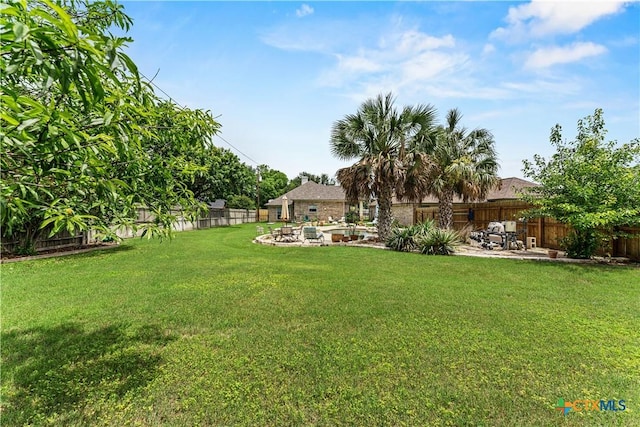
(473, 249)
(292, 235)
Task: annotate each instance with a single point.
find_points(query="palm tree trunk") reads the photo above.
(445, 204)
(384, 213)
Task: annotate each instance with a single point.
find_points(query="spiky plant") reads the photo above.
(439, 241)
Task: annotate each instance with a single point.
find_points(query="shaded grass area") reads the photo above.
(210, 329)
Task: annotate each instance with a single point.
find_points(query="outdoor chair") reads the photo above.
(287, 233)
(312, 233)
(275, 234)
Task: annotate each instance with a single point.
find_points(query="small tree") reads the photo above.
(241, 202)
(84, 141)
(589, 184)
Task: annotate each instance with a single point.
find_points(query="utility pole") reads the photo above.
(258, 195)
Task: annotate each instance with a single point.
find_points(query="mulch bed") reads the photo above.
(49, 253)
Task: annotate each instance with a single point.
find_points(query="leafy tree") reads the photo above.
(590, 184)
(241, 202)
(273, 184)
(83, 139)
(222, 176)
(178, 137)
(388, 147)
(465, 165)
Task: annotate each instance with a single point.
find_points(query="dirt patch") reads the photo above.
(50, 253)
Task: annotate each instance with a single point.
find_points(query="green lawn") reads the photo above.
(210, 329)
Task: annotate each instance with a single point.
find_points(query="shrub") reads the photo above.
(439, 242)
(406, 239)
(424, 228)
(352, 217)
(581, 244)
(241, 202)
(401, 239)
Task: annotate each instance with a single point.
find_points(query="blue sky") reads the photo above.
(279, 74)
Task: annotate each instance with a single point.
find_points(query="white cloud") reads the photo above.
(542, 88)
(357, 64)
(400, 59)
(429, 65)
(304, 10)
(542, 18)
(414, 41)
(488, 49)
(546, 57)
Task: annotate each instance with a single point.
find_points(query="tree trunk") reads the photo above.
(445, 204)
(384, 213)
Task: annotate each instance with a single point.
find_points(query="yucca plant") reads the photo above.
(424, 228)
(406, 239)
(401, 239)
(439, 241)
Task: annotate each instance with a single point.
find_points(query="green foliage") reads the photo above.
(352, 217)
(406, 239)
(222, 176)
(241, 202)
(401, 239)
(320, 179)
(590, 184)
(273, 184)
(581, 244)
(84, 140)
(425, 238)
(438, 241)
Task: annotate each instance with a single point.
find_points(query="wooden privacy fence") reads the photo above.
(547, 231)
(62, 239)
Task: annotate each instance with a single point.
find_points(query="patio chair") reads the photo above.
(275, 234)
(287, 234)
(312, 233)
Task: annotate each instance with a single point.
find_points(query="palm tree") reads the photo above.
(387, 145)
(465, 165)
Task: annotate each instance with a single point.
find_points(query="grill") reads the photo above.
(504, 235)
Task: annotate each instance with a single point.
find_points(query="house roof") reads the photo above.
(507, 189)
(312, 191)
(218, 204)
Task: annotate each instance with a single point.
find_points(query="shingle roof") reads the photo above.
(312, 191)
(507, 189)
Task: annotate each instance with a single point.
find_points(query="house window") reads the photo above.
(313, 209)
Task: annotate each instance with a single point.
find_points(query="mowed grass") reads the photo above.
(210, 329)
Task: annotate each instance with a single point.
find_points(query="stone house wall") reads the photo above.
(403, 213)
(323, 210)
(302, 210)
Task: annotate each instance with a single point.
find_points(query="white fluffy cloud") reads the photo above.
(407, 58)
(546, 57)
(412, 50)
(304, 10)
(541, 18)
